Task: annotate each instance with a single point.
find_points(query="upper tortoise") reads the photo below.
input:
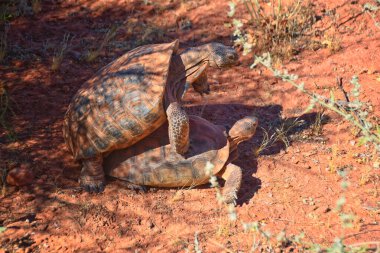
(133, 96)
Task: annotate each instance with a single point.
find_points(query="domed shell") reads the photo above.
(121, 104)
(150, 162)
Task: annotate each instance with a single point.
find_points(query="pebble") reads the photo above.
(20, 176)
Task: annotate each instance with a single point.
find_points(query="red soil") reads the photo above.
(293, 189)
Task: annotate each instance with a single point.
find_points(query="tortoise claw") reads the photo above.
(136, 188)
(94, 187)
(232, 185)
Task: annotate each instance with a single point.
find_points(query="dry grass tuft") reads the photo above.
(277, 27)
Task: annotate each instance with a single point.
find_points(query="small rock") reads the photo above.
(20, 176)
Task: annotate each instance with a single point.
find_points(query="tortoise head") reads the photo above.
(221, 56)
(243, 129)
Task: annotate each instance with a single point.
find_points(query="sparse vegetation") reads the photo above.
(264, 240)
(3, 177)
(322, 170)
(372, 9)
(278, 134)
(5, 16)
(109, 35)
(36, 6)
(331, 41)
(60, 52)
(5, 110)
(352, 110)
(278, 27)
(3, 42)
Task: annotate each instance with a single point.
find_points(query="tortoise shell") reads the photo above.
(121, 104)
(150, 162)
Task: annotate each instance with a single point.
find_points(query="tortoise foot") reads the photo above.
(92, 175)
(233, 176)
(93, 186)
(137, 188)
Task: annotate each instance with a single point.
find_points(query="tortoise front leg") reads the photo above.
(178, 128)
(233, 175)
(92, 174)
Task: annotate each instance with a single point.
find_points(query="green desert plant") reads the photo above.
(264, 239)
(353, 110)
(273, 26)
(278, 134)
(197, 247)
(372, 10)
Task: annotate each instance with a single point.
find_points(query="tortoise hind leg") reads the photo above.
(233, 175)
(92, 174)
(178, 128)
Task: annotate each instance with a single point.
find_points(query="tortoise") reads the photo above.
(151, 162)
(133, 96)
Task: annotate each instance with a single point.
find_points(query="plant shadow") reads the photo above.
(270, 119)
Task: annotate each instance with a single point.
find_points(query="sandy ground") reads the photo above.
(294, 189)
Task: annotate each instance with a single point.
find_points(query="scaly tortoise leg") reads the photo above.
(178, 128)
(233, 175)
(92, 175)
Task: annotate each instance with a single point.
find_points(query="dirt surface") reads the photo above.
(293, 189)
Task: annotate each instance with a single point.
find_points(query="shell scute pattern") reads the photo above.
(184, 173)
(121, 104)
(82, 106)
(196, 165)
(133, 75)
(146, 177)
(131, 125)
(151, 116)
(101, 144)
(90, 151)
(141, 52)
(138, 104)
(111, 130)
(158, 175)
(151, 162)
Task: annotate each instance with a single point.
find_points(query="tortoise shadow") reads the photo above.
(270, 118)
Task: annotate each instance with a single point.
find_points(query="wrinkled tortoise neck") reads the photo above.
(193, 58)
(185, 66)
(235, 141)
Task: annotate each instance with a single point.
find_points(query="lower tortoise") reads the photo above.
(132, 97)
(150, 162)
